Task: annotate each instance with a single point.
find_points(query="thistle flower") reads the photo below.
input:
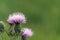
(16, 18)
(27, 32)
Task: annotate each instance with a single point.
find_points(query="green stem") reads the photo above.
(23, 37)
(0, 36)
(17, 28)
(11, 30)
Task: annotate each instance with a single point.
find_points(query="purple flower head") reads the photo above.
(27, 32)
(16, 18)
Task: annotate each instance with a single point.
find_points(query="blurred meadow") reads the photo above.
(43, 17)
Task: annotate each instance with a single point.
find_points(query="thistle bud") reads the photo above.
(1, 26)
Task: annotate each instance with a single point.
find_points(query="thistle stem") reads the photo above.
(17, 28)
(11, 28)
(23, 37)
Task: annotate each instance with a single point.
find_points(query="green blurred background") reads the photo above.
(43, 16)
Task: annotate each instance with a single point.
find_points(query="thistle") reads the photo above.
(26, 32)
(1, 26)
(17, 19)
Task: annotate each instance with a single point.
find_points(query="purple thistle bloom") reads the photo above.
(10, 19)
(27, 32)
(16, 18)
